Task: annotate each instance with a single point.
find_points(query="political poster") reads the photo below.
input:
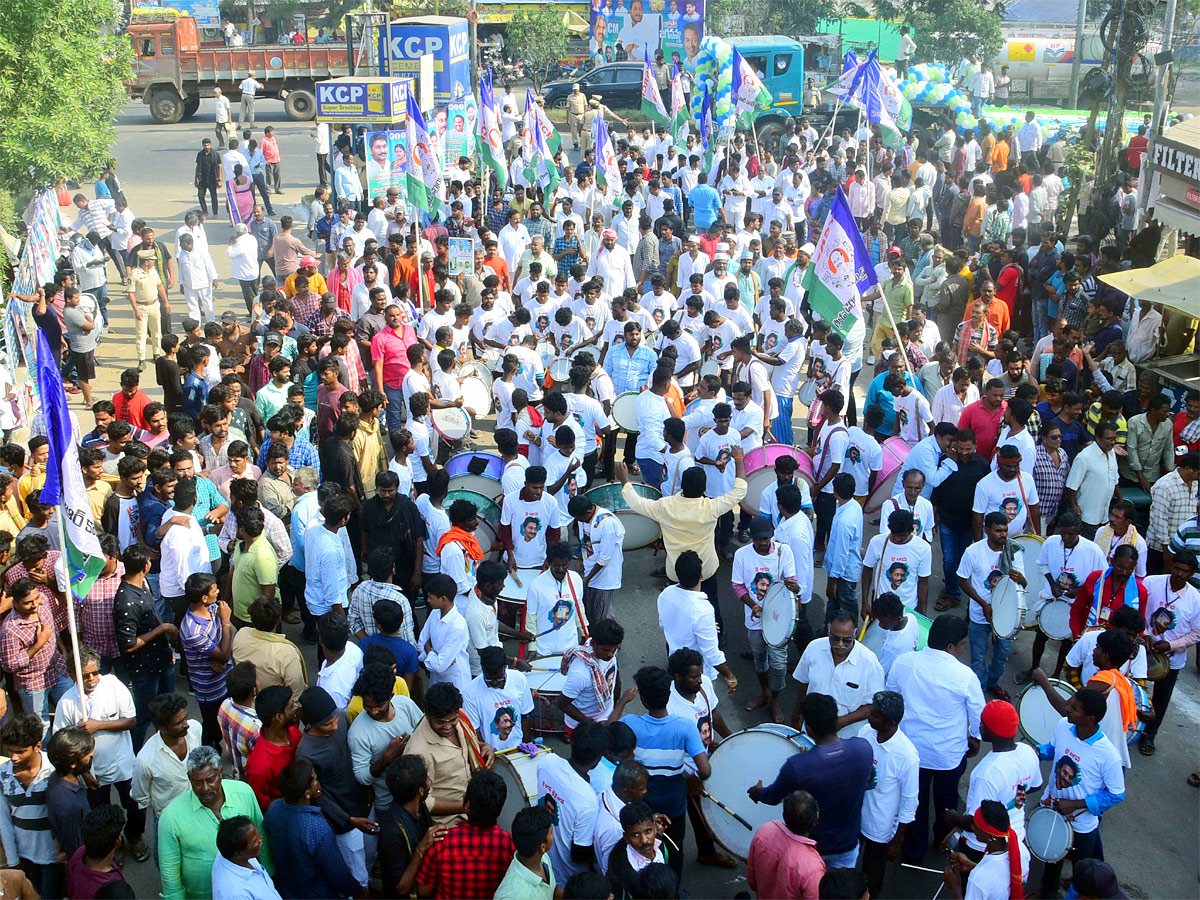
(387, 163)
(462, 256)
(460, 132)
(630, 29)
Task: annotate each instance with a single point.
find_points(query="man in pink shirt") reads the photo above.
(270, 149)
(389, 359)
(983, 417)
(783, 860)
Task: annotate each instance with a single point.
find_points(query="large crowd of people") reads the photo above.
(321, 460)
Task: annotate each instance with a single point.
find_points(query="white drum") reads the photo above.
(518, 771)
(624, 412)
(1055, 620)
(757, 482)
(780, 613)
(1008, 609)
(477, 395)
(452, 423)
(738, 763)
(478, 369)
(560, 370)
(480, 484)
(511, 605)
(546, 351)
(1038, 718)
(1049, 835)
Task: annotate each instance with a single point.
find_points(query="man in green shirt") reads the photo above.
(272, 396)
(898, 295)
(530, 875)
(254, 570)
(187, 830)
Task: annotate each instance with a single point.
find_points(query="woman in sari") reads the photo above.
(239, 192)
(977, 336)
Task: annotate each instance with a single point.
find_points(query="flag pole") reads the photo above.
(832, 120)
(72, 628)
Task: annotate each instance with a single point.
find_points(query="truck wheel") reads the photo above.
(300, 105)
(166, 107)
(190, 106)
(769, 135)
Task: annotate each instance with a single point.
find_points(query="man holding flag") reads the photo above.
(426, 189)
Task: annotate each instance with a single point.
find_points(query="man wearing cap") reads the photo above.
(146, 291)
(612, 264)
(1008, 772)
(692, 261)
(308, 268)
(576, 107)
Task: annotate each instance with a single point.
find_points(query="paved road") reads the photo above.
(1151, 839)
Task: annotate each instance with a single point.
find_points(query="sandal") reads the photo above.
(1146, 748)
(1194, 779)
(945, 603)
(1000, 693)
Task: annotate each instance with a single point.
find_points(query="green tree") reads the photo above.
(537, 36)
(734, 18)
(946, 29)
(62, 77)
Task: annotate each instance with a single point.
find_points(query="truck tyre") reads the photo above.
(190, 106)
(300, 105)
(770, 134)
(166, 106)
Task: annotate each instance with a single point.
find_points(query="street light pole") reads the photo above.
(1164, 71)
(1077, 57)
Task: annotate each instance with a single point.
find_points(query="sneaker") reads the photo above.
(140, 850)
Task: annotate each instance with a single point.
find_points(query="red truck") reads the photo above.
(172, 72)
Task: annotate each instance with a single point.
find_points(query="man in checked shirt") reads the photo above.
(29, 648)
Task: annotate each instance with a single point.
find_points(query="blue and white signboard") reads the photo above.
(355, 99)
(445, 38)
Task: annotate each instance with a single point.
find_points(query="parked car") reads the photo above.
(620, 84)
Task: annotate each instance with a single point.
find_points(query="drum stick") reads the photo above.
(863, 631)
(748, 826)
(921, 868)
(516, 579)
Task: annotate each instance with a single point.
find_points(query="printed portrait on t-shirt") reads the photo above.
(547, 800)
(873, 781)
(1067, 583)
(543, 322)
(503, 722)
(560, 614)
(1066, 773)
(993, 579)
(1163, 620)
(902, 418)
(590, 321)
(853, 455)
(761, 584)
(1010, 506)
(705, 726)
(530, 528)
(771, 340)
(897, 574)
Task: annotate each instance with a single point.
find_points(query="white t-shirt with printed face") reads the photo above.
(552, 610)
(922, 513)
(1069, 567)
(719, 448)
(898, 567)
(542, 317)
(1082, 768)
(588, 414)
(897, 643)
(573, 806)
(556, 467)
(570, 335)
(915, 416)
(1080, 657)
(750, 417)
(497, 712)
(981, 566)
(863, 456)
(529, 521)
(1005, 777)
(786, 376)
(1171, 614)
(757, 572)
(721, 336)
(699, 710)
(581, 690)
(1013, 498)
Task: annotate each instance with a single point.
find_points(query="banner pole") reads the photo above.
(72, 628)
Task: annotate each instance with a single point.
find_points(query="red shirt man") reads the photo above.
(984, 416)
(131, 401)
(389, 349)
(1107, 590)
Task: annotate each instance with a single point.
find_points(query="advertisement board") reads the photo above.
(673, 26)
(443, 37)
(387, 163)
(362, 100)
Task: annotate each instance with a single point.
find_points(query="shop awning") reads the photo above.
(1174, 282)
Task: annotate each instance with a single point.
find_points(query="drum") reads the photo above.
(624, 412)
(477, 395)
(732, 776)
(710, 367)
(547, 352)
(476, 369)
(511, 607)
(808, 393)
(1144, 705)
(488, 529)
(452, 423)
(1158, 665)
(476, 471)
(559, 371)
(1055, 620)
(764, 457)
(780, 613)
(895, 451)
(760, 470)
(640, 531)
(518, 771)
(546, 683)
(801, 740)
(874, 636)
(1038, 717)
(1008, 609)
(1049, 835)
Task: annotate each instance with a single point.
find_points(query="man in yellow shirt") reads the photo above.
(368, 440)
(316, 281)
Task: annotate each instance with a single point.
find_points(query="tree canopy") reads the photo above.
(946, 29)
(536, 35)
(62, 77)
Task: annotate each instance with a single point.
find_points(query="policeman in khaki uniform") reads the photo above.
(145, 291)
(576, 107)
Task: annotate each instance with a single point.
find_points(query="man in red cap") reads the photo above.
(1009, 770)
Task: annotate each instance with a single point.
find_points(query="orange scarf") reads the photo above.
(1121, 685)
(468, 733)
(469, 542)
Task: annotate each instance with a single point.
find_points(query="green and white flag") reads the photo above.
(679, 110)
(491, 146)
(840, 271)
(652, 100)
(540, 168)
(426, 189)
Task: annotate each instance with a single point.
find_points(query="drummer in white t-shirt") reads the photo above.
(897, 561)
(530, 520)
(909, 499)
(785, 474)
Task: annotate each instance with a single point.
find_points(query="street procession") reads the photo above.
(538, 453)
